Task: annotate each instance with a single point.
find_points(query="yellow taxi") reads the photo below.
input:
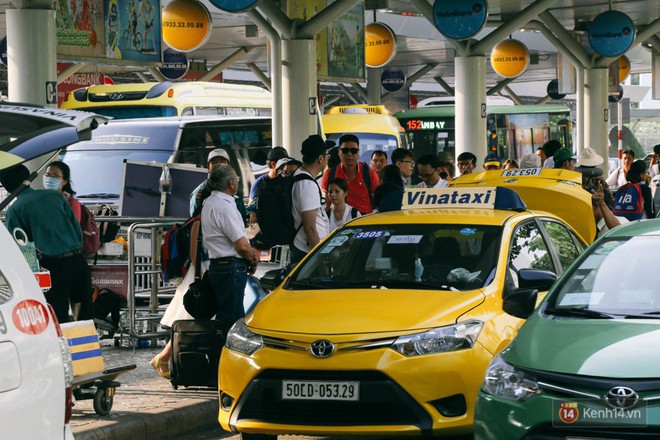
(388, 325)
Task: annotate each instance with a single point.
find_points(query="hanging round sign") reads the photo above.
(392, 79)
(553, 90)
(616, 97)
(186, 25)
(611, 33)
(379, 44)
(459, 19)
(175, 64)
(509, 58)
(624, 67)
(234, 6)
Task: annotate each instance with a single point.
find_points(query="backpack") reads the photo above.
(366, 176)
(175, 250)
(107, 230)
(90, 230)
(628, 202)
(275, 211)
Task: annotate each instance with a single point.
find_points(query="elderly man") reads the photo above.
(223, 236)
(362, 180)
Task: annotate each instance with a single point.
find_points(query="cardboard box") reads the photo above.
(84, 346)
(111, 249)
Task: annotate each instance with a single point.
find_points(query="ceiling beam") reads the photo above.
(519, 20)
(276, 16)
(499, 86)
(68, 71)
(515, 98)
(360, 91)
(259, 74)
(444, 85)
(566, 38)
(227, 62)
(410, 80)
(348, 93)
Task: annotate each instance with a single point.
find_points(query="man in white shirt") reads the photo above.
(429, 168)
(223, 235)
(617, 178)
(309, 216)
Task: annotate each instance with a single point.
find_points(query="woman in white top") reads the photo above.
(339, 212)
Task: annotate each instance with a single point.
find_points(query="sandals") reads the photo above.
(161, 366)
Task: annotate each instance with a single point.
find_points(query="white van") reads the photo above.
(35, 383)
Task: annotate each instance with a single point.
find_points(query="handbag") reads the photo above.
(27, 248)
(199, 300)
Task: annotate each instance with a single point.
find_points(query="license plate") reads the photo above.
(320, 390)
(522, 172)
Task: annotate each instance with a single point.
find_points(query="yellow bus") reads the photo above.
(376, 128)
(144, 100)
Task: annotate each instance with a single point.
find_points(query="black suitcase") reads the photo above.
(196, 347)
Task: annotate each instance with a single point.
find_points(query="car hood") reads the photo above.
(590, 347)
(27, 132)
(556, 191)
(324, 312)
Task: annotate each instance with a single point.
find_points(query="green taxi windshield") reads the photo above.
(615, 279)
(411, 256)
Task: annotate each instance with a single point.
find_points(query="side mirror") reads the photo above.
(271, 279)
(536, 279)
(520, 302)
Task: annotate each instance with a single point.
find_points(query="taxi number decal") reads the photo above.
(3, 324)
(522, 172)
(404, 239)
(369, 234)
(30, 317)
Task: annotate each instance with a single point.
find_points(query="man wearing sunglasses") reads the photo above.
(362, 180)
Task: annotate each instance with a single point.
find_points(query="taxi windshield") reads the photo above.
(408, 256)
(615, 279)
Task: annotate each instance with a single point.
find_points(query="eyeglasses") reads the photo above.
(347, 150)
(236, 179)
(411, 162)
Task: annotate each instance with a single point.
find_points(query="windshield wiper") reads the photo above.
(98, 196)
(578, 311)
(653, 315)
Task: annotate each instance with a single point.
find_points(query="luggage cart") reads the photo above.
(105, 384)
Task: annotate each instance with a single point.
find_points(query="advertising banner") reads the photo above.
(109, 31)
(339, 47)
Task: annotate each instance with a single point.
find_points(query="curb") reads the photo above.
(154, 424)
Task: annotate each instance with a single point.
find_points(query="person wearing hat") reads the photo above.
(274, 155)
(492, 162)
(286, 166)
(564, 159)
(309, 216)
(199, 194)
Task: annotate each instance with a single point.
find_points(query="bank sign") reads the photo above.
(611, 33)
(459, 19)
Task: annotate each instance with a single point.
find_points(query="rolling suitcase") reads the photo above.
(196, 346)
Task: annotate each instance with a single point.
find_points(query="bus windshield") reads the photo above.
(370, 142)
(133, 111)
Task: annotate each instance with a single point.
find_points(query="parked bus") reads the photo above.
(513, 131)
(374, 126)
(146, 100)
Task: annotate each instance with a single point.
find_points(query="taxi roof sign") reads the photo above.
(473, 197)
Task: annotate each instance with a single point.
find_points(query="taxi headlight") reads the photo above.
(241, 339)
(505, 381)
(440, 340)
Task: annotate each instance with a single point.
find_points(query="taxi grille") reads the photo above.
(382, 402)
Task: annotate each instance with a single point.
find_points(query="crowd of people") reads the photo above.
(337, 188)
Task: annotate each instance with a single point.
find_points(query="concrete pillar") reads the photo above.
(596, 111)
(373, 85)
(299, 118)
(579, 110)
(31, 56)
(470, 95)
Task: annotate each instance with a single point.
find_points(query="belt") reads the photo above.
(64, 255)
(227, 260)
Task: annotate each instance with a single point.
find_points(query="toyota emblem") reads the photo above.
(621, 397)
(116, 96)
(322, 348)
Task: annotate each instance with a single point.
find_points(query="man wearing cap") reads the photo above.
(199, 194)
(492, 162)
(286, 167)
(309, 216)
(275, 154)
(362, 180)
(564, 159)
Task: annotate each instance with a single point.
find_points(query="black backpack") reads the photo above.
(275, 211)
(107, 230)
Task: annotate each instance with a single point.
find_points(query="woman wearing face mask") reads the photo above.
(58, 178)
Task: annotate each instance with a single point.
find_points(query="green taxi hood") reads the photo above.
(359, 311)
(589, 347)
(555, 191)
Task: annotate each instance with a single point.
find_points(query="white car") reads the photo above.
(35, 383)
